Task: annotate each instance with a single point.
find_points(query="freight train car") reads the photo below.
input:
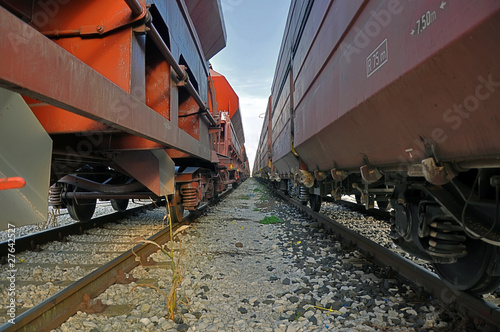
(108, 99)
(263, 155)
(229, 141)
(398, 101)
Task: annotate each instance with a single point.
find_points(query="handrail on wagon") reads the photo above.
(135, 7)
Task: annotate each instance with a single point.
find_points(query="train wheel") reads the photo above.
(81, 210)
(315, 201)
(119, 205)
(216, 193)
(471, 272)
(176, 209)
(382, 205)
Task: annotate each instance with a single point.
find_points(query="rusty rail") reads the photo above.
(57, 309)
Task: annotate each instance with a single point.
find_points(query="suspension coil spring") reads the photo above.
(55, 196)
(304, 193)
(283, 185)
(292, 190)
(189, 197)
(446, 239)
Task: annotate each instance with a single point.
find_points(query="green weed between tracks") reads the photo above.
(271, 220)
(264, 197)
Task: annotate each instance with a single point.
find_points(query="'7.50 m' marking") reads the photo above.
(424, 21)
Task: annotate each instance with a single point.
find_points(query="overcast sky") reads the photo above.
(254, 31)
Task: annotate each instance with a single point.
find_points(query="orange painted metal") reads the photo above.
(81, 89)
(229, 142)
(99, 43)
(176, 154)
(227, 99)
(158, 88)
(189, 121)
(121, 142)
(12, 183)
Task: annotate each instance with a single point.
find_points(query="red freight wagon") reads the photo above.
(121, 89)
(229, 140)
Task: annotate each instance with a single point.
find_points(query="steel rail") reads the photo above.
(58, 308)
(476, 308)
(381, 214)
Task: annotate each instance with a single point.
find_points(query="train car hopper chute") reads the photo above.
(24, 153)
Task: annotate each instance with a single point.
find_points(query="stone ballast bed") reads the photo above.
(240, 275)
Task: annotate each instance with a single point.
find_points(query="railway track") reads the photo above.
(241, 274)
(34, 241)
(88, 265)
(485, 315)
(379, 214)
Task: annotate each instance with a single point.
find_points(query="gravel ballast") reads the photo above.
(62, 218)
(39, 275)
(241, 275)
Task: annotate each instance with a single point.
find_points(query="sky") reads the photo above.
(254, 31)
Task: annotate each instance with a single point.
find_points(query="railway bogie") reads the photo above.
(122, 88)
(397, 104)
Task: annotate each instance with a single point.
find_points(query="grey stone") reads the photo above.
(182, 327)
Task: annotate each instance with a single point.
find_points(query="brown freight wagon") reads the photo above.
(398, 102)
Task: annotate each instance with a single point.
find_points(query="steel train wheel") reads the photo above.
(471, 273)
(176, 209)
(382, 205)
(81, 210)
(119, 205)
(315, 202)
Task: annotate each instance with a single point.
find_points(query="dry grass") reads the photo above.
(51, 219)
(176, 266)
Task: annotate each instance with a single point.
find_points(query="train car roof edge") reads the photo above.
(208, 20)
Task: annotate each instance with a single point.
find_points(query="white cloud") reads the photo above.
(251, 107)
